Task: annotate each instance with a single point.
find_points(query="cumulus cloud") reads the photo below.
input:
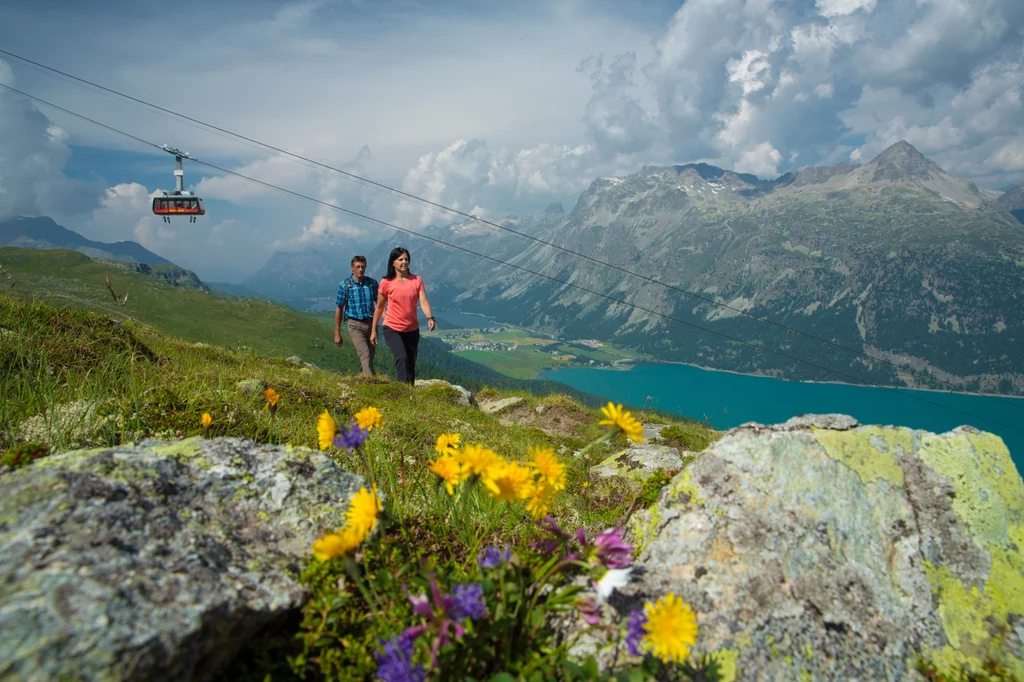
(468, 174)
(763, 160)
(33, 152)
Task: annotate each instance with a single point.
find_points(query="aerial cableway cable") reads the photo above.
(312, 163)
(550, 278)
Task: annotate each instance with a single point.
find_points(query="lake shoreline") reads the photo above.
(790, 381)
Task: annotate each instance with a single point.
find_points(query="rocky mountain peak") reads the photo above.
(901, 162)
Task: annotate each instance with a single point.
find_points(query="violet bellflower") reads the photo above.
(635, 631)
(394, 664)
(492, 557)
(444, 613)
(468, 602)
(350, 438)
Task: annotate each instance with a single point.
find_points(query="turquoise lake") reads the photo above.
(728, 400)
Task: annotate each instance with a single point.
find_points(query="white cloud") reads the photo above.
(834, 8)
(503, 109)
(33, 153)
(763, 161)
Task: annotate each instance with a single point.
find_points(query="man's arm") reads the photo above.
(339, 311)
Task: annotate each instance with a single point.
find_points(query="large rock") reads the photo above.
(461, 395)
(824, 550)
(156, 562)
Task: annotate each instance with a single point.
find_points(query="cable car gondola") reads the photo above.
(178, 202)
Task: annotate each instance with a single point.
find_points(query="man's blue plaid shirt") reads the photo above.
(358, 299)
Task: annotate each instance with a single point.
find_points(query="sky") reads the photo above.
(492, 108)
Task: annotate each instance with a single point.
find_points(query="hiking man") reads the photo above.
(357, 296)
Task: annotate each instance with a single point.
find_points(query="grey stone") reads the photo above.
(653, 430)
(464, 398)
(542, 408)
(819, 549)
(294, 358)
(156, 562)
(498, 406)
(639, 462)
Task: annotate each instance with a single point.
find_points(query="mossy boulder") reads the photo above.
(821, 549)
(156, 562)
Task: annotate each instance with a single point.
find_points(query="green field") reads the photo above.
(534, 354)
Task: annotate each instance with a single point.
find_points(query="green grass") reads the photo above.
(78, 371)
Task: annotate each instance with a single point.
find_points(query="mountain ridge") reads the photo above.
(42, 232)
(893, 258)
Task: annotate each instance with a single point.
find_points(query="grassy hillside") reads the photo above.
(263, 326)
(75, 378)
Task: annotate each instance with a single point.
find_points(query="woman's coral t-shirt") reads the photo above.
(402, 297)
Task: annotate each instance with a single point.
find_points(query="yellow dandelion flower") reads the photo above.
(478, 460)
(539, 498)
(207, 420)
(326, 428)
(508, 481)
(369, 418)
(449, 469)
(447, 443)
(545, 463)
(362, 512)
(623, 420)
(336, 544)
(671, 628)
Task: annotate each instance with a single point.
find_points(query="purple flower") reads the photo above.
(590, 611)
(612, 550)
(491, 557)
(442, 613)
(635, 631)
(468, 602)
(350, 438)
(548, 547)
(394, 664)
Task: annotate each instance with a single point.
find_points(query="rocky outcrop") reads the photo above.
(822, 549)
(156, 562)
(460, 395)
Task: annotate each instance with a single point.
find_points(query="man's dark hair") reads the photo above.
(358, 259)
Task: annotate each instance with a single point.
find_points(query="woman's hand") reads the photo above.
(373, 336)
(431, 325)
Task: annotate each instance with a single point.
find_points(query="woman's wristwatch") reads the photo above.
(431, 318)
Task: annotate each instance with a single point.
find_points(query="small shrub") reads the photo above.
(688, 436)
(24, 454)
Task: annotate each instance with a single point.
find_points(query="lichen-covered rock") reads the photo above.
(824, 550)
(638, 462)
(499, 406)
(156, 562)
(462, 396)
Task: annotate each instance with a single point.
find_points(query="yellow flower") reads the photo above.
(538, 499)
(207, 420)
(478, 460)
(671, 628)
(448, 468)
(369, 418)
(447, 443)
(326, 427)
(508, 481)
(336, 544)
(272, 397)
(362, 512)
(625, 421)
(546, 464)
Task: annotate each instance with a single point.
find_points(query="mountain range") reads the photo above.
(894, 259)
(44, 233)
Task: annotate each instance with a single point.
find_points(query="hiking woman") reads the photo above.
(401, 291)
